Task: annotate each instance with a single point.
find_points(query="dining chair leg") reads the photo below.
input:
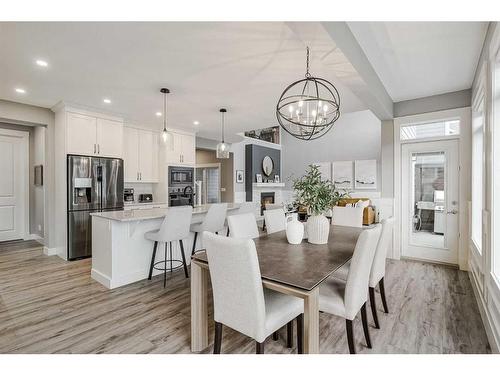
(350, 336)
(171, 260)
(194, 242)
(165, 267)
(374, 307)
(289, 334)
(382, 294)
(218, 338)
(259, 347)
(276, 336)
(181, 244)
(300, 334)
(227, 234)
(152, 260)
(364, 319)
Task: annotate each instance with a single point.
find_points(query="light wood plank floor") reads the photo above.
(48, 305)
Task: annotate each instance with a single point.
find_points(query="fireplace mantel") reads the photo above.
(271, 185)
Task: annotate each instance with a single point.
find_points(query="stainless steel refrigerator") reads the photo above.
(94, 185)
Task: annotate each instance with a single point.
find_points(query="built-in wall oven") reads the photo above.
(180, 186)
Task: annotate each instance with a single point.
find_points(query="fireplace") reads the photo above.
(265, 197)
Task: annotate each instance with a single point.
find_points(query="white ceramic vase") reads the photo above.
(294, 230)
(318, 228)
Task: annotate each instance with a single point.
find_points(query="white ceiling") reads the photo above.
(240, 66)
(418, 59)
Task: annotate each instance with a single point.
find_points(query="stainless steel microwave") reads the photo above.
(180, 176)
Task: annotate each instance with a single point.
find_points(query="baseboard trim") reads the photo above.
(100, 278)
(49, 251)
(485, 316)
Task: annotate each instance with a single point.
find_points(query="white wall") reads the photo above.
(355, 136)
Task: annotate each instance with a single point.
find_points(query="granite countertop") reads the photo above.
(134, 203)
(150, 214)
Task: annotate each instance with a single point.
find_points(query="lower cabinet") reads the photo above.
(140, 155)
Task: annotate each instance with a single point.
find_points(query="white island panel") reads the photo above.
(120, 253)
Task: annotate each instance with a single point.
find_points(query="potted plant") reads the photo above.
(318, 196)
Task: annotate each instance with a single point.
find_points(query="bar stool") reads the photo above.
(175, 227)
(213, 222)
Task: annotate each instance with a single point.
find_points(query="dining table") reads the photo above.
(296, 270)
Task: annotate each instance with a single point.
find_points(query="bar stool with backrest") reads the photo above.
(240, 301)
(213, 222)
(275, 220)
(175, 227)
(378, 268)
(346, 298)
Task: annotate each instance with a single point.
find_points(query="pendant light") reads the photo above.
(309, 107)
(164, 134)
(222, 147)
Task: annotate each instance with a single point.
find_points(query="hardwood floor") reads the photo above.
(48, 305)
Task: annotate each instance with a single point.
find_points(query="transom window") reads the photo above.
(430, 130)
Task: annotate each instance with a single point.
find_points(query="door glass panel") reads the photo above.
(207, 185)
(428, 199)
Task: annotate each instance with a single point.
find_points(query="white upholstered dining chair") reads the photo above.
(275, 220)
(240, 301)
(244, 208)
(378, 268)
(346, 298)
(213, 222)
(347, 216)
(243, 226)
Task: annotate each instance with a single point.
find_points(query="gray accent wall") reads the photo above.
(450, 100)
(254, 154)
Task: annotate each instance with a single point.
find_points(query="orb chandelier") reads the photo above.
(222, 151)
(308, 108)
(164, 133)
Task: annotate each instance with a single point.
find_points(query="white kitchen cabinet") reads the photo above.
(94, 136)
(81, 133)
(131, 154)
(181, 149)
(141, 155)
(109, 138)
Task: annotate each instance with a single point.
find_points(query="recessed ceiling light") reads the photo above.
(42, 63)
(20, 90)
(107, 101)
(196, 123)
(158, 114)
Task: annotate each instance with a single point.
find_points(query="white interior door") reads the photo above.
(13, 197)
(430, 196)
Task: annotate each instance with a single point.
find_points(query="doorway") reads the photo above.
(207, 184)
(14, 200)
(430, 200)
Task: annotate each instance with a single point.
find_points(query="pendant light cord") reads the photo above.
(222, 127)
(165, 112)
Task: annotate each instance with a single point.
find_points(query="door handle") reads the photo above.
(94, 148)
(98, 149)
(137, 176)
(452, 212)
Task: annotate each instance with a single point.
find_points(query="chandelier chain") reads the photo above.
(307, 63)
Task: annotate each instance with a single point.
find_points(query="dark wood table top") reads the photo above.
(303, 266)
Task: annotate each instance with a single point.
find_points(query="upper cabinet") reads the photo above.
(141, 151)
(109, 138)
(180, 149)
(93, 136)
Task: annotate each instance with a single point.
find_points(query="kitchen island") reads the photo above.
(120, 253)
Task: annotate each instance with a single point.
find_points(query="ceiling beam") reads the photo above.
(342, 54)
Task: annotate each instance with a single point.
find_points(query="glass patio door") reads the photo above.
(430, 195)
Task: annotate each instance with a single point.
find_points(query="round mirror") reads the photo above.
(267, 165)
